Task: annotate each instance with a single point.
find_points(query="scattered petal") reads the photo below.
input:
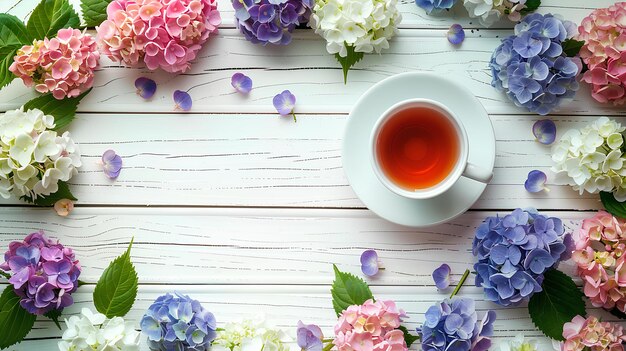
(456, 34)
(441, 276)
(284, 103)
(536, 182)
(369, 263)
(63, 207)
(241, 83)
(146, 87)
(111, 164)
(182, 100)
(545, 131)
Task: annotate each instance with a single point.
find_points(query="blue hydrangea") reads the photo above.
(515, 251)
(176, 322)
(453, 325)
(432, 5)
(531, 67)
(271, 21)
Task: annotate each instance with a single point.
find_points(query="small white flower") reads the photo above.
(46, 146)
(22, 149)
(93, 331)
(518, 344)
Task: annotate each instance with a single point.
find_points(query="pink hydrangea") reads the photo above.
(63, 65)
(600, 246)
(164, 34)
(372, 326)
(604, 51)
(592, 335)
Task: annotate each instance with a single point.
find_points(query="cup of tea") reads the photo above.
(419, 150)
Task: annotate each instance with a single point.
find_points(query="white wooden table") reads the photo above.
(247, 211)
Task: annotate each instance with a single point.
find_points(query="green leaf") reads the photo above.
(531, 5)
(54, 316)
(617, 313)
(408, 337)
(5, 274)
(94, 11)
(50, 16)
(6, 59)
(15, 322)
(13, 35)
(350, 60)
(63, 111)
(50, 200)
(558, 303)
(572, 47)
(348, 290)
(613, 206)
(116, 289)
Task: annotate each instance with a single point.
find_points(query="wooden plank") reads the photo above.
(266, 160)
(254, 246)
(308, 71)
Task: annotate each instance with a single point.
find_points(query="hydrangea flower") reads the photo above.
(177, 322)
(271, 21)
(44, 273)
(370, 265)
(456, 34)
(63, 65)
(489, 12)
(435, 5)
(592, 335)
(536, 182)
(164, 34)
(310, 337)
(531, 67)
(146, 87)
(241, 83)
(111, 164)
(604, 52)
(441, 276)
(544, 131)
(453, 325)
(33, 158)
(599, 255)
(514, 252)
(93, 331)
(250, 334)
(370, 326)
(518, 344)
(591, 159)
(63, 207)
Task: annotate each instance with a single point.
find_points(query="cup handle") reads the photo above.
(478, 174)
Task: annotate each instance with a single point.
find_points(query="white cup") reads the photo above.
(461, 168)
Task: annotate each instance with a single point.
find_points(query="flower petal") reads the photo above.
(146, 87)
(369, 263)
(536, 181)
(182, 99)
(441, 276)
(545, 131)
(456, 34)
(241, 83)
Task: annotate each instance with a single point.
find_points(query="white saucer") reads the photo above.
(356, 146)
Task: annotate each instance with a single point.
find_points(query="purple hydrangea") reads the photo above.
(453, 325)
(531, 66)
(43, 272)
(515, 251)
(271, 21)
(176, 322)
(435, 5)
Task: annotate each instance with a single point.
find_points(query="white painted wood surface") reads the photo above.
(247, 211)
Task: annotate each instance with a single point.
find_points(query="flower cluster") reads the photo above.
(43, 273)
(271, 21)
(600, 246)
(176, 322)
(489, 12)
(364, 25)
(453, 325)
(591, 159)
(63, 65)
(592, 335)
(91, 331)
(604, 52)
(515, 251)
(250, 334)
(435, 5)
(165, 34)
(518, 343)
(531, 67)
(370, 326)
(34, 159)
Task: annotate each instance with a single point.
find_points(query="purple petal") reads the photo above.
(545, 131)
(369, 263)
(146, 87)
(536, 181)
(241, 83)
(284, 102)
(267, 12)
(111, 164)
(441, 276)
(182, 100)
(456, 34)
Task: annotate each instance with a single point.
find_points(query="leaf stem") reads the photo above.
(328, 347)
(461, 282)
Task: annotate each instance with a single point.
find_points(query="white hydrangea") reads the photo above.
(252, 335)
(94, 332)
(489, 12)
(591, 159)
(366, 25)
(33, 158)
(518, 344)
